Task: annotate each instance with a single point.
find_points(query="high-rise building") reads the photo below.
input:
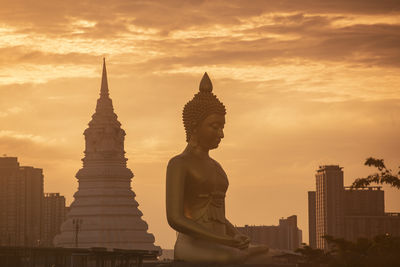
(54, 216)
(347, 212)
(299, 237)
(286, 236)
(21, 203)
(364, 214)
(329, 203)
(104, 212)
(9, 200)
(367, 201)
(289, 233)
(312, 219)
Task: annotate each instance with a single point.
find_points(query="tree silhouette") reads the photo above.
(384, 176)
(382, 251)
(313, 257)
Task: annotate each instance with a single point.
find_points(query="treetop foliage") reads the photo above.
(384, 176)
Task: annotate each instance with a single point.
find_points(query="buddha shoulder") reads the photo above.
(184, 160)
(177, 161)
(216, 163)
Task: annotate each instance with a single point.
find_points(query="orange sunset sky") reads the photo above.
(305, 83)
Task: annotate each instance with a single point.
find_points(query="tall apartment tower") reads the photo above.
(365, 216)
(54, 216)
(365, 201)
(104, 212)
(312, 219)
(329, 198)
(21, 203)
(289, 233)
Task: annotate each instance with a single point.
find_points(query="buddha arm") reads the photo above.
(176, 173)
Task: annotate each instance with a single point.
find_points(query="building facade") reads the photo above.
(54, 212)
(290, 235)
(368, 201)
(285, 236)
(365, 214)
(329, 203)
(21, 203)
(311, 219)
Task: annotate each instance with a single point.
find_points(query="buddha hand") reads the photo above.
(241, 241)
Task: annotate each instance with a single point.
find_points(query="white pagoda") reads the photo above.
(105, 212)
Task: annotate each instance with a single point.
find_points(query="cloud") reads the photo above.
(24, 54)
(33, 146)
(21, 136)
(10, 111)
(152, 36)
(177, 13)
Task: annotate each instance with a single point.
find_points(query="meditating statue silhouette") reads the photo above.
(196, 187)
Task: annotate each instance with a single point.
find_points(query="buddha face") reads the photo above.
(210, 131)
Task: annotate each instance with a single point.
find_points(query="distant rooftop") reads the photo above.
(349, 188)
(329, 168)
(9, 162)
(52, 195)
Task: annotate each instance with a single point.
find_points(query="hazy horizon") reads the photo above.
(304, 83)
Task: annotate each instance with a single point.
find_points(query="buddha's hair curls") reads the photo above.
(203, 104)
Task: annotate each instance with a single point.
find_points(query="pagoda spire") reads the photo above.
(104, 83)
(104, 103)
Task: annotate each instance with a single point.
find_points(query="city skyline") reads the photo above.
(347, 212)
(304, 85)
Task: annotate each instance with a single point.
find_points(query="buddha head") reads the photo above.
(204, 117)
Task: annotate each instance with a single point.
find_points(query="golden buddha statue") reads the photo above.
(196, 186)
